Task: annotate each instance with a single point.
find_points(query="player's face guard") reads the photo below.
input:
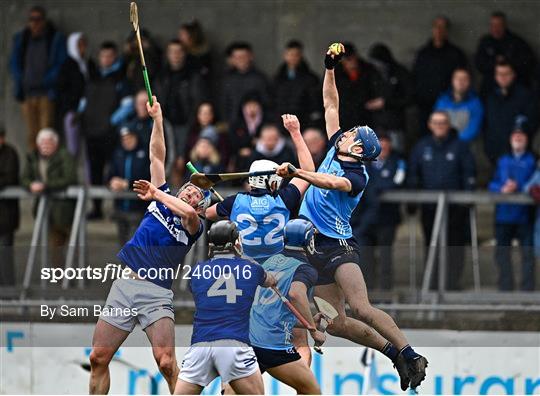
(268, 182)
(346, 148)
(194, 196)
(359, 136)
(231, 247)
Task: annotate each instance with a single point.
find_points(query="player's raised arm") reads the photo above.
(291, 123)
(157, 145)
(149, 192)
(321, 180)
(330, 92)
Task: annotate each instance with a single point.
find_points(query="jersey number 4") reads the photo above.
(229, 291)
(270, 238)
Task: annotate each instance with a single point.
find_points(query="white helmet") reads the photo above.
(266, 181)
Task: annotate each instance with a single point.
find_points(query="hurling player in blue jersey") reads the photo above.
(169, 228)
(328, 203)
(223, 288)
(261, 213)
(271, 324)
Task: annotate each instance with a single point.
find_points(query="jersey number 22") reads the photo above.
(270, 238)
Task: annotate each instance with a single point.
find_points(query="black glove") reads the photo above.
(332, 59)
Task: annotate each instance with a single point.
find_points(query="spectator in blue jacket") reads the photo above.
(514, 221)
(130, 162)
(441, 161)
(462, 105)
(38, 52)
(374, 223)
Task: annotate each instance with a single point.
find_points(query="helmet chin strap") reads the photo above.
(347, 154)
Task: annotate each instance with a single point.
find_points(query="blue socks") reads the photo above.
(390, 351)
(409, 353)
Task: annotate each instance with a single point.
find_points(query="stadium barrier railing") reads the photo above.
(423, 299)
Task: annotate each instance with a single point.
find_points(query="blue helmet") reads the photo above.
(300, 233)
(365, 137)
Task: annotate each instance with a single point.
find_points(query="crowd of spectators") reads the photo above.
(77, 104)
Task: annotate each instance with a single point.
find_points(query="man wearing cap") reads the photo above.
(514, 221)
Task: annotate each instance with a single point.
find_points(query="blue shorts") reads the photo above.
(269, 358)
(329, 254)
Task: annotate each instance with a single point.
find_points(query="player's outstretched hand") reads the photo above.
(144, 189)
(318, 336)
(286, 170)
(333, 55)
(155, 110)
(291, 123)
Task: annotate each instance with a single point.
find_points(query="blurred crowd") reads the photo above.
(222, 112)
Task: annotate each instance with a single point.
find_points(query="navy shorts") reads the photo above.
(329, 254)
(270, 358)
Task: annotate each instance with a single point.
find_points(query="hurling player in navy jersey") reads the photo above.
(169, 228)
(336, 189)
(261, 213)
(223, 287)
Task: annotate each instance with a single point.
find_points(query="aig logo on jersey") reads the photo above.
(260, 204)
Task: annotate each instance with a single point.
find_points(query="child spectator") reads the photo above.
(512, 220)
